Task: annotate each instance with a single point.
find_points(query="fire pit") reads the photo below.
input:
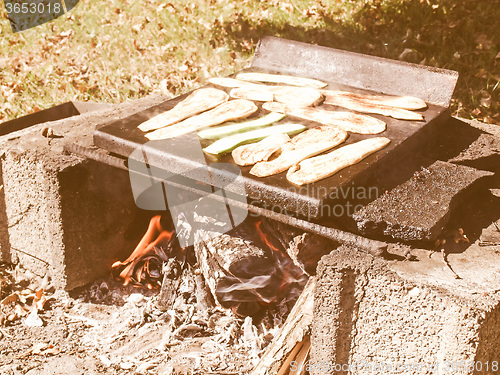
(260, 265)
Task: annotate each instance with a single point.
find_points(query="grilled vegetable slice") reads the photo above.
(293, 96)
(198, 101)
(297, 96)
(404, 102)
(239, 127)
(322, 166)
(230, 82)
(259, 94)
(260, 151)
(281, 78)
(225, 145)
(310, 143)
(347, 121)
(368, 107)
(231, 110)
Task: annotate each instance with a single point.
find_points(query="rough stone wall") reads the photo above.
(63, 215)
(33, 213)
(367, 315)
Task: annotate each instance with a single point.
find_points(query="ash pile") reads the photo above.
(227, 294)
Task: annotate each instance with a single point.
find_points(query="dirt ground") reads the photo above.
(107, 328)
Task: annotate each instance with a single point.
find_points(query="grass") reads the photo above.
(124, 49)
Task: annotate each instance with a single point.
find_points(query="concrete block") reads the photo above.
(419, 208)
(61, 214)
(374, 314)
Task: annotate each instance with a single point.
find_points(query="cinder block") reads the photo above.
(61, 214)
(419, 208)
(372, 314)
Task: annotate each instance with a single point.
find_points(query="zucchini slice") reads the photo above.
(228, 144)
(239, 127)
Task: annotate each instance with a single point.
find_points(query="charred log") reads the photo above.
(304, 248)
(247, 267)
(204, 300)
(172, 270)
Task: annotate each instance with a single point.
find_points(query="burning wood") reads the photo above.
(143, 266)
(246, 268)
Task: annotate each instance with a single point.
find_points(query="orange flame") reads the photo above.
(286, 265)
(144, 251)
(264, 238)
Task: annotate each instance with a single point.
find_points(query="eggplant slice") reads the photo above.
(260, 151)
(281, 78)
(309, 143)
(198, 101)
(323, 166)
(369, 107)
(231, 110)
(346, 121)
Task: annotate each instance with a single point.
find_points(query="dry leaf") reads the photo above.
(14, 297)
(51, 350)
(21, 310)
(40, 304)
(483, 42)
(39, 294)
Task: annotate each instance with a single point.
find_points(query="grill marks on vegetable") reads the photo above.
(347, 121)
(320, 167)
(310, 143)
(260, 151)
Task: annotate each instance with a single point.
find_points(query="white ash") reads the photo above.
(130, 333)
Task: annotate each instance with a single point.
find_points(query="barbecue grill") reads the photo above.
(274, 196)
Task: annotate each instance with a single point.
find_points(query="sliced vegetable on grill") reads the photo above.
(239, 127)
(227, 144)
(290, 95)
(230, 83)
(297, 96)
(369, 107)
(281, 78)
(347, 121)
(259, 94)
(198, 101)
(404, 102)
(231, 110)
(309, 143)
(323, 166)
(260, 151)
